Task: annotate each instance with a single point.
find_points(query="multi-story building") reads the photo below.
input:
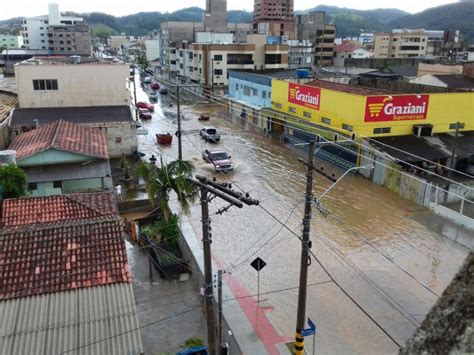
(274, 17)
(10, 41)
(152, 49)
(215, 16)
(209, 63)
(43, 32)
(89, 92)
(69, 39)
(401, 44)
(312, 27)
(300, 54)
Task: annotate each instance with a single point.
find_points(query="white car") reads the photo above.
(147, 80)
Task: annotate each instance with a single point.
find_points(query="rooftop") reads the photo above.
(8, 101)
(63, 60)
(62, 135)
(347, 47)
(350, 89)
(58, 257)
(18, 212)
(93, 114)
(456, 81)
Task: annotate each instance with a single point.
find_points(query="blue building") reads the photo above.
(253, 89)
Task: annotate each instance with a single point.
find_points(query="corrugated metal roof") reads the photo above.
(57, 322)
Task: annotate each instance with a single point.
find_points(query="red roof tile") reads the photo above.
(62, 256)
(62, 135)
(33, 210)
(347, 47)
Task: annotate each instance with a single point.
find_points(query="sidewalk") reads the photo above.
(158, 299)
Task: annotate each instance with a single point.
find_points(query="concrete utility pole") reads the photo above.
(219, 304)
(453, 154)
(223, 191)
(178, 133)
(306, 245)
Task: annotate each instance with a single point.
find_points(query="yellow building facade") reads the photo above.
(368, 112)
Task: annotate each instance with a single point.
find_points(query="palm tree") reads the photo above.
(160, 181)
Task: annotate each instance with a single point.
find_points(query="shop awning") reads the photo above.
(397, 146)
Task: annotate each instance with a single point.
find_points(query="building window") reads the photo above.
(307, 114)
(45, 84)
(32, 186)
(453, 125)
(236, 87)
(347, 127)
(58, 184)
(278, 105)
(272, 58)
(217, 71)
(292, 109)
(218, 57)
(264, 94)
(246, 91)
(381, 130)
(326, 120)
(118, 140)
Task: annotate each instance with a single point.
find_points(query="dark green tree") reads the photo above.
(13, 181)
(160, 181)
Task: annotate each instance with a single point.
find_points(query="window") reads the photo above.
(246, 91)
(218, 57)
(292, 109)
(273, 58)
(347, 127)
(32, 186)
(58, 184)
(326, 120)
(279, 105)
(264, 94)
(453, 125)
(240, 59)
(307, 114)
(381, 130)
(118, 140)
(217, 71)
(236, 87)
(45, 84)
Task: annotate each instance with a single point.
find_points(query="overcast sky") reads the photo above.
(16, 8)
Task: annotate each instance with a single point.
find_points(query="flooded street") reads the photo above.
(371, 242)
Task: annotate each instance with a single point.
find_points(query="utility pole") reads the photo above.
(178, 133)
(223, 191)
(219, 304)
(453, 154)
(305, 246)
(208, 291)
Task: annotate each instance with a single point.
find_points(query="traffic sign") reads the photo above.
(258, 264)
(309, 331)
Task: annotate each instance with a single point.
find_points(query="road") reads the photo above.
(371, 242)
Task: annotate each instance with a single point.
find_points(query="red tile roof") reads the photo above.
(62, 256)
(62, 135)
(19, 212)
(346, 47)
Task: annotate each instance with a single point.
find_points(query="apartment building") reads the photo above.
(209, 63)
(313, 27)
(10, 41)
(274, 17)
(56, 33)
(215, 16)
(300, 54)
(401, 44)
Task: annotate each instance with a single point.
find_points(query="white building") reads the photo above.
(35, 29)
(61, 82)
(152, 49)
(300, 54)
(10, 41)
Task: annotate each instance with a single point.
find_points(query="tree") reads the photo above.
(13, 181)
(143, 61)
(160, 181)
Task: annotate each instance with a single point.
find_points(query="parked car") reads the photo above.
(219, 159)
(147, 80)
(146, 105)
(210, 134)
(203, 117)
(144, 114)
(155, 86)
(163, 91)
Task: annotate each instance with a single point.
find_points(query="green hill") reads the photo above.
(459, 16)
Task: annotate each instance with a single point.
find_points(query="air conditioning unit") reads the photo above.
(423, 130)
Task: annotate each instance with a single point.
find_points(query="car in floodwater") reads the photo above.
(219, 159)
(146, 105)
(144, 114)
(210, 134)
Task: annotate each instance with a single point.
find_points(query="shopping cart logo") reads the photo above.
(303, 95)
(396, 108)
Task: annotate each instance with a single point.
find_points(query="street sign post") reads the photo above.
(258, 264)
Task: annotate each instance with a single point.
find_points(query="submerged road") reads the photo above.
(371, 242)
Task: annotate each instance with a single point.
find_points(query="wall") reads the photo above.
(78, 85)
(52, 156)
(125, 130)
(11, 41)
(250, 92)
(439, 69)
(151, 49)
(344, 108)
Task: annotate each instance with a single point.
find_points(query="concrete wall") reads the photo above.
(78, 85)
